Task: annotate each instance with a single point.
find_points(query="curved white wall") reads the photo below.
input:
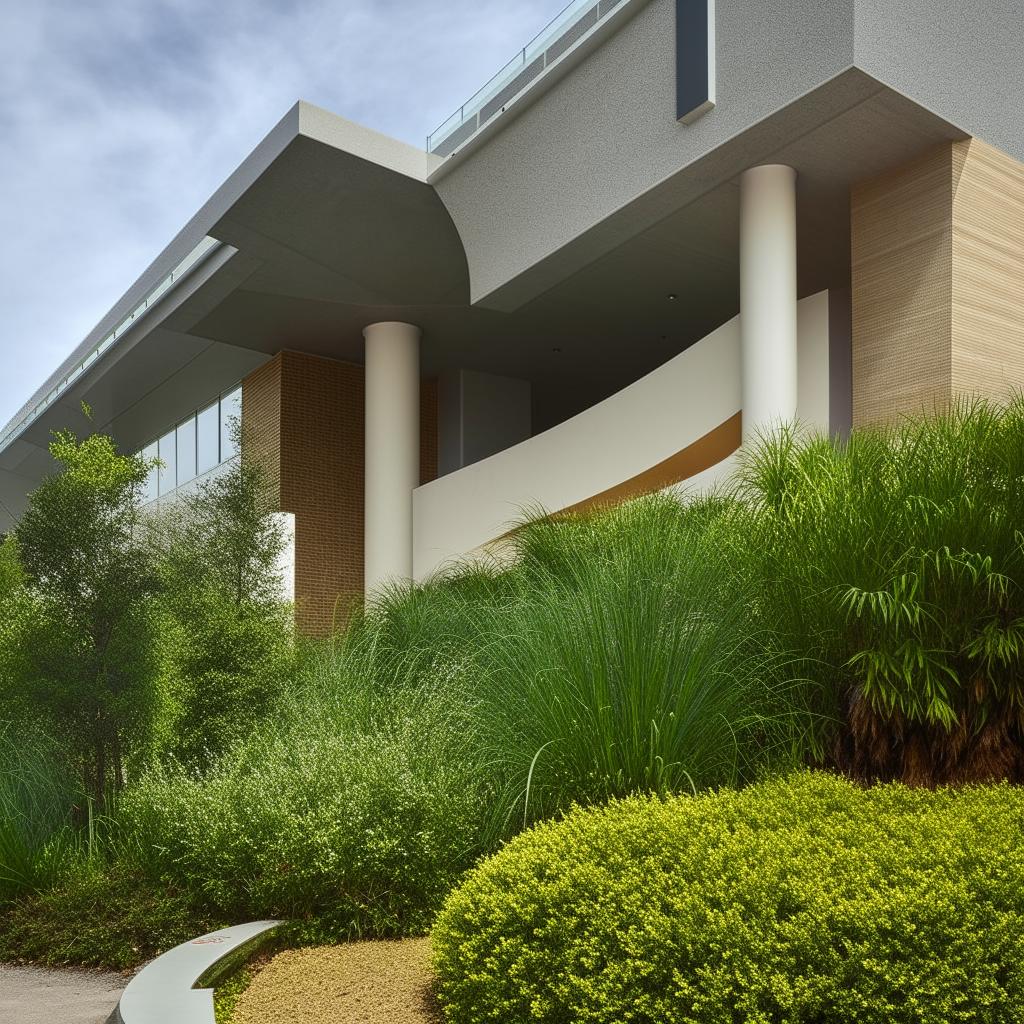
(612, 442)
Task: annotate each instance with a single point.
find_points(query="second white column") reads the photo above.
(392, 451)
(768, 327)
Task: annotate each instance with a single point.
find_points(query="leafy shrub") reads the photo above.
(892, 564)
(355, 806)
(80, 644)
(228, 645)
(801, 899)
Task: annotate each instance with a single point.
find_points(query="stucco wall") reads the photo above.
(964, 61)
(607, 133)
(674, 417)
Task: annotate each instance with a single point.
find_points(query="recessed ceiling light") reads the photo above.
(556, 350)
(672, 296)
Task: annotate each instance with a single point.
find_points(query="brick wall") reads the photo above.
(303, 419)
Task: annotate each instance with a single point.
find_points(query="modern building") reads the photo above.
(664, 226)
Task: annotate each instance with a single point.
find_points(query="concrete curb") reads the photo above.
(163, 991)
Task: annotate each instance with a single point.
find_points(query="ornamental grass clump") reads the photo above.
(630, 662)
(36, 798)
(801, 899)
(892, 566)
(616, 653)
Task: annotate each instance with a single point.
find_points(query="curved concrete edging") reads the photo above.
(163, 993)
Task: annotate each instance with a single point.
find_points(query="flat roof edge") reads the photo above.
(184, 242)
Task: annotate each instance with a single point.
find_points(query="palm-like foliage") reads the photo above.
(894, 563)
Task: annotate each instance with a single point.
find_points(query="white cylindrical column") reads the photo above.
(768, 297)
(392, 451)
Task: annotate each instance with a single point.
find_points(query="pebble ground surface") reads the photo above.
(33, 995)
(357, 983)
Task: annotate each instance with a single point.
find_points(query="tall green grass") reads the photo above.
(37, 842)
(630, 662)
(618, 654)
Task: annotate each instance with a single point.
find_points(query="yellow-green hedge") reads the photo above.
(805, 899)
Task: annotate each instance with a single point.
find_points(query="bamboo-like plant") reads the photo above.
(893, 563)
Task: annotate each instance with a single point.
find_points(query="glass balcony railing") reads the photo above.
(576, 21)
(198, 253)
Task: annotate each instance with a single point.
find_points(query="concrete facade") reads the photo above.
(576, 239)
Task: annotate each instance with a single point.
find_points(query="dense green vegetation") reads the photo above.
(130, 641)
(893, 565)
(849, 606)
(802, 899)
(80, 657)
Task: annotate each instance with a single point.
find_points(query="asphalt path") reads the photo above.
(32, 995)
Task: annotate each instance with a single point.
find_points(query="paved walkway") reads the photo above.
(31, 995)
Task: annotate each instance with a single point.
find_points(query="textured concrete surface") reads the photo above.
(30, 995)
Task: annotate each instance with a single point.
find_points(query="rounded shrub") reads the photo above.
(804, 899)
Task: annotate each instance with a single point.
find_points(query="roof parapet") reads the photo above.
(582, 21)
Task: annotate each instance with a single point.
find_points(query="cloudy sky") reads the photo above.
(118, 119)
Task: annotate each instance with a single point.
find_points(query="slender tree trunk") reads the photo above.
(100, 780)
(118, 763)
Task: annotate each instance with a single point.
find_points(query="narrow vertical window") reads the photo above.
(695, 58)
(207, 438)
(151, 485)
(230, 421)
(167, 452)
(186, 450)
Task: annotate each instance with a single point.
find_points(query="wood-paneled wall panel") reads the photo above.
(901, 279)
(937, 282)
(988, 279)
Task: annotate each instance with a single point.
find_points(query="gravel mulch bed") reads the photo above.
(358, 983)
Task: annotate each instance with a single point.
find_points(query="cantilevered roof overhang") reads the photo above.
(330, 204)
(328, 226)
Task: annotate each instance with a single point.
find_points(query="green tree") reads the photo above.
(82, 643)
(227, 629)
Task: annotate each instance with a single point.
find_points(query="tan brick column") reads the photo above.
(302, 416)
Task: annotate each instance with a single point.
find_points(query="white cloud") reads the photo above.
(118, 119)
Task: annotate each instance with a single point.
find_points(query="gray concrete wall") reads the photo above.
(607, 133)
(962, 60)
